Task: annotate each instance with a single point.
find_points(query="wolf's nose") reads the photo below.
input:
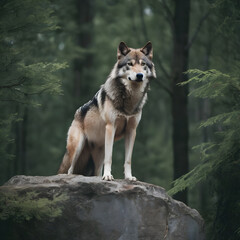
(139, 76)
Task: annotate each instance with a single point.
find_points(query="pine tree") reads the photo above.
(23, 73)
(220, 159)
(220, 156)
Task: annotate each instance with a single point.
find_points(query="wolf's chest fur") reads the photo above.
(127, 97)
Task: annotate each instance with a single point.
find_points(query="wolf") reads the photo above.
(113, 113)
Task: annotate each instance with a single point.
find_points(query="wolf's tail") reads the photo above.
(65, 165)
(84, 164)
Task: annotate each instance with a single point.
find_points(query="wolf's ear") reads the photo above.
(148, 50)
(123, 50)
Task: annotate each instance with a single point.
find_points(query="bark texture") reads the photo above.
(180, 93)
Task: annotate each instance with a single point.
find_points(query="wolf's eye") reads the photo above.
(129, 64)
(143, 63)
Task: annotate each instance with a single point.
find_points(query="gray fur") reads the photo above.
(123, 100)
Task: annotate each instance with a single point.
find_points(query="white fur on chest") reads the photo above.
(134, 88)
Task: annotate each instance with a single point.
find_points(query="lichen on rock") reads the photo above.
(19, 207)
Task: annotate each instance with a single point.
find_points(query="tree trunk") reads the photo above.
(84, 20)
(24, 141)
(180, 93)
(20, 141)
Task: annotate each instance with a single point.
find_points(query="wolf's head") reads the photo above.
(135, 64)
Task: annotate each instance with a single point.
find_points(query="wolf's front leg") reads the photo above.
(129, 142)
(130, 136)
(109, 139)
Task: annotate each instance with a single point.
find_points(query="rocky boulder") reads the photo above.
(77, 207)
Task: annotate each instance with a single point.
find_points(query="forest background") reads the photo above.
(54, 55)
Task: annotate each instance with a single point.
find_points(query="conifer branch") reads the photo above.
(22, 80)
(13, 100)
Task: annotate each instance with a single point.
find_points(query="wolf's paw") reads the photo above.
(131, 178)
(107, 177)
(70, 170)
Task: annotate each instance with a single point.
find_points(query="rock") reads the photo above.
(77, 207)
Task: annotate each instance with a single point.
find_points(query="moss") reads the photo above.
(31, 205)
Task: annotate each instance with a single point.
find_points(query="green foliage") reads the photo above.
(25, 73)
(214, 84)
(29, 206)
(22, 72)
(33, 79)
(6, 139)
(220, 87)
(220, 159)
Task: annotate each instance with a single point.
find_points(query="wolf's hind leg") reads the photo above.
(98, 159)
(75, 144)
(64, 165)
